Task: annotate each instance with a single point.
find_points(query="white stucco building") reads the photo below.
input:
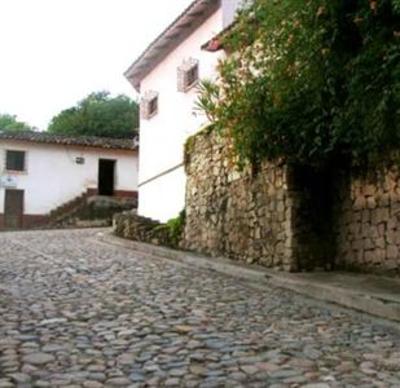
(40, 172)
(166, 75)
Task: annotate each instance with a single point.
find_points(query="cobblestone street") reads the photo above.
(77, 313)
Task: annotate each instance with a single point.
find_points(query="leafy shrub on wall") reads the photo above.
(310, 81)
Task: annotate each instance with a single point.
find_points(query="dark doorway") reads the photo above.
(313, 217)
(106, 177)
(13, 209)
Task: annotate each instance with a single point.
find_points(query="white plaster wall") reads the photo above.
(230, 8)
(163, 198)
(52, 177)
(163, 136)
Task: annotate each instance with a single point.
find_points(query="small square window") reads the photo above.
(192, 76)
(149, 105)
(15, 160)
(153, 106)
(188, 75)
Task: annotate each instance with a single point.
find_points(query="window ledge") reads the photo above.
(16, 172)
(149, 117)
(191, 86)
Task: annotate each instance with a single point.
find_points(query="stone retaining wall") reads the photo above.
(131, 226)
(368, 227)
(290, 219)
(242, 215)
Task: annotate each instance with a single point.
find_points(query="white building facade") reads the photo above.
(40, 172)
(167, 75)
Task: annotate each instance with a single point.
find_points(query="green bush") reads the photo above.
(173, 229)
(310, 82)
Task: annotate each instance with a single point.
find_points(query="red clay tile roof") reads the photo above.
(85, 141)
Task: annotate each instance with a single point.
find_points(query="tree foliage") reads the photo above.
(310, 81)
(98, 114)
(9, 123)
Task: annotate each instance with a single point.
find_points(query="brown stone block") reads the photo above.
(369, 189)
(383, 200)
(374, 233)
(394, 197)
(382, 229)
(280, 206)
(379, 256)
(359, 256)
(365, 216)
(392, 252)
(356, 216)
(371, 202)
(392, 265)
(382, 215)
(366, 229)
(369, 257)
(359, 203)
(355, 228)
(281, 216)
(358, 245)
(380, 242)
(389, 183)
(375, 217)
(391, 223)
(392, 236)
(368, 244)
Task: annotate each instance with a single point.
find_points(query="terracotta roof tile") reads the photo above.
(86, 141)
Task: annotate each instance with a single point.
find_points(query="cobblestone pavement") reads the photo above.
(81, 314)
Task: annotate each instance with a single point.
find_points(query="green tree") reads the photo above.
(9, 123)
(98, 114)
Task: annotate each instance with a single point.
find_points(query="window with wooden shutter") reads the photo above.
(188, 74)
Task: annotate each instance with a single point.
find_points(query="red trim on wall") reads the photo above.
(31, 221)
(117, 193)
(28, 221)
(91, 192)
(34, 220)
(126, 194)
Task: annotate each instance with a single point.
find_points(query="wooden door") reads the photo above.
(13, 209)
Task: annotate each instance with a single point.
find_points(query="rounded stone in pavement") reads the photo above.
(80, 313)
(38, 358)
(118, 382)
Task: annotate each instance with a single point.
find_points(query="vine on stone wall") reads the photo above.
(310, 81)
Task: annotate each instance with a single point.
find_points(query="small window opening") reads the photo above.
(188, 74)
(192, 76)
(153, 106)
(15, 160)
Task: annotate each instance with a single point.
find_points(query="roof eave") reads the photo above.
(84, 141)
(195, 15)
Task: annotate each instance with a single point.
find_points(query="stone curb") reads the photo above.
(378, 304)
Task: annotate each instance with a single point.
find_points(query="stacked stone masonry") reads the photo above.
(270, 219)
(286, 218)
(240, 214)
(368, 226)
(131, 226)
